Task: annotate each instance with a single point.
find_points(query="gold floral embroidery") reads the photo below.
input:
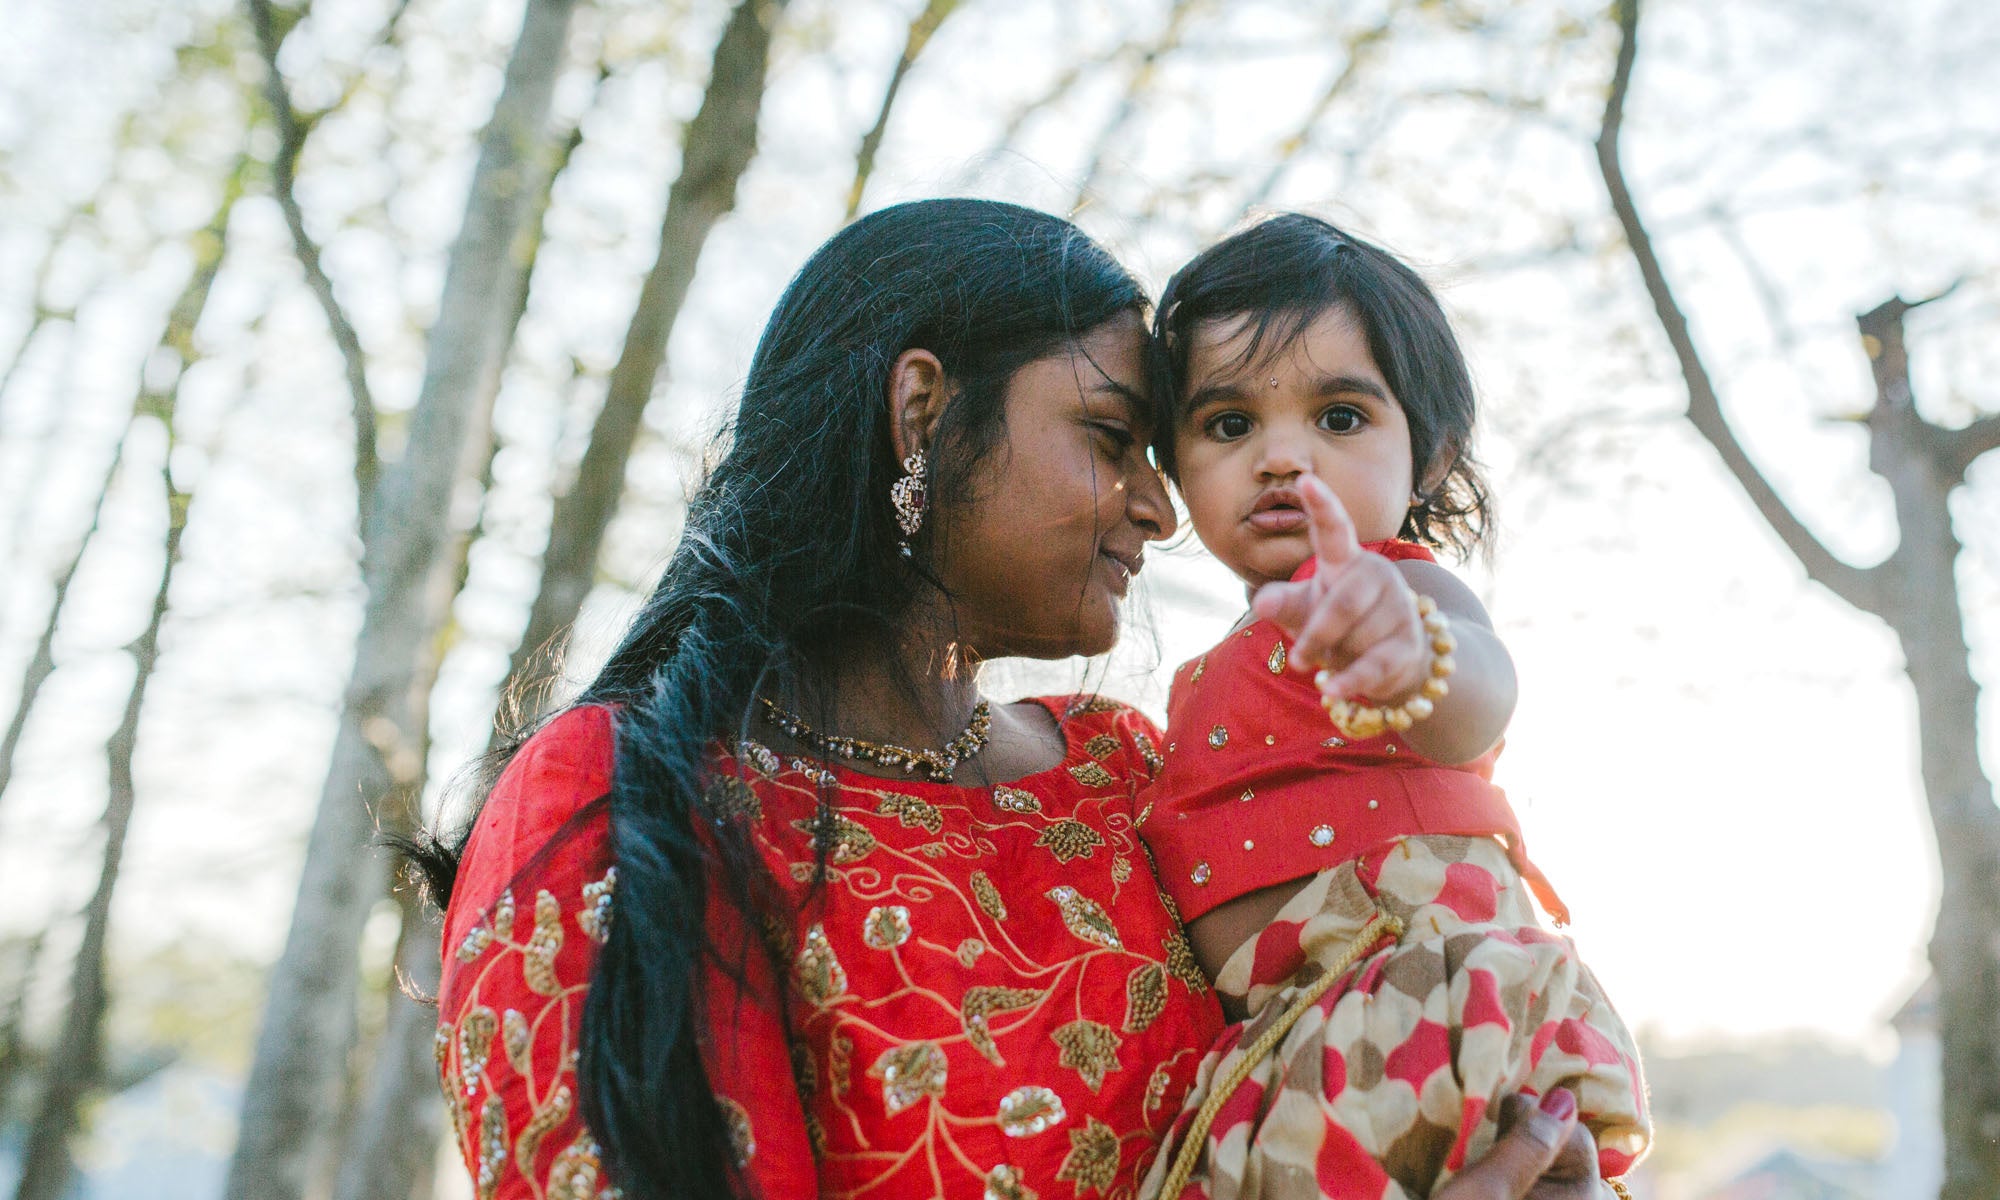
(742, 1139)
(839, 1063)
(759, 756)
(1089, 1049)
(503, 915)
(475, 1043)
(981, 1001)
(492, 1145)
(1069, 838)
(1199, 666)
(969, 951)
(804, 1076)
(1084, 918)
(538, 961)
(815, 1136)
(514, 1036)
(1181, 964)
(1026, 1111)
(1121, 869)
(476, 940)
(1091, 774)
(1277, 660)
(573, 1176)
(909, 1073)
(1156, 1087)
(1091, 704)
(1092, 1161)
(1004, 1183)
(912, 812)
(547, 1117)
(1014, 800)
(1149, 753)
(887, 927)
(1145, 996)
(933, 849)
(454, 1099)
(821, 977)
(595, 919)
(847, 841)
(1102, 746)
(731, 799)
(988, 896)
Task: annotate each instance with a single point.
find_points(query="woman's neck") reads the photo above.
(920, 693)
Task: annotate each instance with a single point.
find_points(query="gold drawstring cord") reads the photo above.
(1383, 925)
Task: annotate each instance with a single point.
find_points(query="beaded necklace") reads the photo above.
(936, 765)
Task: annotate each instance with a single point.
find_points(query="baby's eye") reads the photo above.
(1341, 418)
(1229, 426)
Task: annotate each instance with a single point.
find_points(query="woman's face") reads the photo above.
(1039, 555)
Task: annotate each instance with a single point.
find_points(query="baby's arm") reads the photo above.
(1357, 618)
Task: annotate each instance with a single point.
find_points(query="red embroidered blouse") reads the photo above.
(989, 995)
(1259, 788)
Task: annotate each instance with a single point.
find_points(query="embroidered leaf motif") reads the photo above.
(475, 1043)
(1091, 704)
(492, 1145)
(839, 1063)
(909, 1073)
(538, 961)
(731, 799)
(514, 1036)
(1089, 1049)
(886, 927)
(742, 1141)
(759, 756)
(595, 919)
(1199, 667)
(969, 951)
(573, 1176)
(503, 916)
(1149, 753)
(1069, 838)
(1102, 746)
(1181, 964)
(1014, 800)
(821, 977)
(1026, 1111)
(988, 896)
(1092, 1161)
(1156, 1088)
(1084, 918)
(454, 1096)
(912, 812)
(1091, 774)
(547, 1117)
(847, 841)
(1004, 1183)
(933, 849)
(476, 940)
(1145, 996)
(979, 1002)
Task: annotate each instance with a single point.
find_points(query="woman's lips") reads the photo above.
(1123, 568)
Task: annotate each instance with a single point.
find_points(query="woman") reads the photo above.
(871, 936)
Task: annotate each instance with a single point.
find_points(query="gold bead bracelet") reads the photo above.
(1357, 720)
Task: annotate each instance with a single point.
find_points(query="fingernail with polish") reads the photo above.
(1547, 1123)
(1560, 1103)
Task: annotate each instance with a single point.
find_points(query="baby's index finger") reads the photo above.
(1328, 525)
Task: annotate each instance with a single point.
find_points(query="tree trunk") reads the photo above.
(76, 1067)
(309, 1015)
(716, 148)
(1916, 592)
(12, 1022)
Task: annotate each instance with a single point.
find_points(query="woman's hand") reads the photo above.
(1543, 1153)
(1356, 617)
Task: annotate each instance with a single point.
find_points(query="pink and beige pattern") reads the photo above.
(1390, 1082)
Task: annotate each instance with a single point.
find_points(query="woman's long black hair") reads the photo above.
(789, 556)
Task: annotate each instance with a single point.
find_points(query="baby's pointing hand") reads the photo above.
(1356, 617)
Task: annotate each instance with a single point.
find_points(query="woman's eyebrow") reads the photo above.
(1132, 397)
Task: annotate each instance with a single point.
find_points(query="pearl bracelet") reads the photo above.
(1357, 720)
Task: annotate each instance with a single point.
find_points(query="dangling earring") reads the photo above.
(907, 497)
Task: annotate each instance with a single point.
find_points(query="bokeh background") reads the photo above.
(290, 296)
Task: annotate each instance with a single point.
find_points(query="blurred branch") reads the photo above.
(1858, 586)
(292, 133)
(1144, 73)
(1286, 152)
(41, 312)
(13, 1045)
(923, 27)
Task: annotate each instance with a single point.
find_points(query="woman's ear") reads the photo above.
(917, 396)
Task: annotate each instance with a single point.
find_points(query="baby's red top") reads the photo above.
(1259, 788)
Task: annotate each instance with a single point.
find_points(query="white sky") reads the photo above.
(1713, 759)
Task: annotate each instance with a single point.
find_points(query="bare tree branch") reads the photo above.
(1859, 586)
(292, 133)
(922, 28)
(1962, 446)
(1144, 72)
(1359, 49)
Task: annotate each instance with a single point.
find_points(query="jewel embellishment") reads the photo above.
(1218, 737)
(1321, 835)
(1200, 874)
(1277, 660)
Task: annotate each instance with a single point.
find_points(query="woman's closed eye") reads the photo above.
(1342, 418)
(1116, 437)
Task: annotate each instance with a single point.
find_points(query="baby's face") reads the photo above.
(1319, 405)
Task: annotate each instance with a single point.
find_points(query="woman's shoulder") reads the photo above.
(1114, 734)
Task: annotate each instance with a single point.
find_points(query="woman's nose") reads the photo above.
(1147, 503)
